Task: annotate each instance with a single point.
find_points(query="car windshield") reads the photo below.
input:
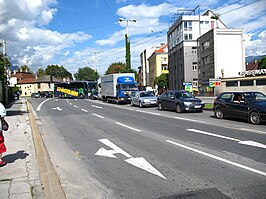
(148, 94)
(184, 95)
(131, 87)
(255, 97)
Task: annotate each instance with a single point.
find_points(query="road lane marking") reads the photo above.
(138, 162)
(218, 158)
(84, 110)
(98, 115)
(57, 108)
(128, 127)
(75, 106)
(248, 142)
(191, 120)
(115, 148)
(253, 130)
(40, 105)
(148, 112)
(97, 106)
(212, 134)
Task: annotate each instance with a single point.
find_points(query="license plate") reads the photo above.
(198, 106)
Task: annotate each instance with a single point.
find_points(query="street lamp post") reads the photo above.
(127, 41)
(94, 59)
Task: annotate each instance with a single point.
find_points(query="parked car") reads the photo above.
(94, 95)
(16, 96)
(250, 106)
(35, 95)
(46, 94)
(179, 101)
(143, 98)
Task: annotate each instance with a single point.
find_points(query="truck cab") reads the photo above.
(125, 85)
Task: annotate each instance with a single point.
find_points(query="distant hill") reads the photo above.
(253, 58)
(13, 67)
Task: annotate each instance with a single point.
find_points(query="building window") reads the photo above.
(187, 26)
(246, 83)
(194, 50)
(260, 82)
(194, 66)
(205, 60)
(185, 36)
(189, 36)
(39, 85)
(205, 45)
(231, 83)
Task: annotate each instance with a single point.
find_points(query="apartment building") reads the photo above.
(144, 69)
(158, 63)
(182, 46)
(221, 54)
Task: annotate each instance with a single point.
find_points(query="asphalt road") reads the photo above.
(105, 150)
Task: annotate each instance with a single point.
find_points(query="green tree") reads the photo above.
(128, 55)
(4, 64)
(25, 68)
(262, 63)
(162, 81)
(58, 71)
(40, 72)
(119, 67)
(86, 73)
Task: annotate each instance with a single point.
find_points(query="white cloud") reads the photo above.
(26, 42)
(148, 20)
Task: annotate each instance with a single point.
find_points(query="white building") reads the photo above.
(221, 54)
(182, 44)
(145, 68)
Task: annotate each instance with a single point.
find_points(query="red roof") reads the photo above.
(162, 49)
(252, 66)
(30, 80)
(23, 75)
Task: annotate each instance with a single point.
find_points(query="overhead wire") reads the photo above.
(240, 7)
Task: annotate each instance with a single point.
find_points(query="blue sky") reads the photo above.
(71, 33)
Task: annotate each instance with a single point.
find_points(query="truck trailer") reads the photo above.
(117, 87)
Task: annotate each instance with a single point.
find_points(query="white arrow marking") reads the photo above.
(57, 108)
(115, 148)
(252, 143)
(249, 142)
(143, 164)
(96, 106)
(106, 153)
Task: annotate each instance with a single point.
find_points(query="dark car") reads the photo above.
(250, 106)
(16, 96)
(179, 101)
(94, 95)
(47, 94)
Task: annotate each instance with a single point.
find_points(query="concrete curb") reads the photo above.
(49, 178)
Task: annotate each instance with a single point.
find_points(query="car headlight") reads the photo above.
(187, 103)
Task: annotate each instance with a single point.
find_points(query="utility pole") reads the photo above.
(127, 42)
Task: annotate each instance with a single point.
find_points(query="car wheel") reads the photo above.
(160, 106)
(140, 104)
(254, 118)
(178, 108)
(219, 114)
(131, 103)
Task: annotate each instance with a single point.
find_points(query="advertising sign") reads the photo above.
(214, 82)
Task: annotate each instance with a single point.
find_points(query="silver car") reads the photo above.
(143, 98)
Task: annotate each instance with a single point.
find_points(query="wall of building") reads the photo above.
(258, 84)
(228, 48)
(27, 89)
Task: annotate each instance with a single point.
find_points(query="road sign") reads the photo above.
(214, 82)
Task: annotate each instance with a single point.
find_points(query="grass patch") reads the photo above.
(209, 105)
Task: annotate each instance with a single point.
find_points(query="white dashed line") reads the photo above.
(218, 158)
(84, 110)
(128, 127)
(96, 106)
(98, 115)
(75, 106)
(191, 120)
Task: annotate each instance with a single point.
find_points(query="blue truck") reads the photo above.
(117, 87)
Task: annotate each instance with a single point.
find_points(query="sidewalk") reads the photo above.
(20, 177)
